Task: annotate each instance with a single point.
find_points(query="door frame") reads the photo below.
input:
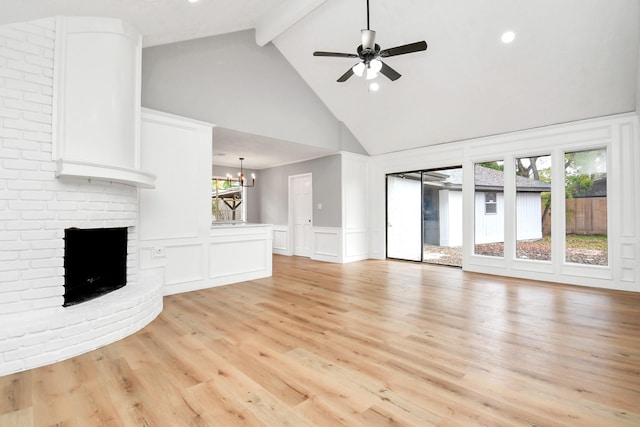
(291, 223)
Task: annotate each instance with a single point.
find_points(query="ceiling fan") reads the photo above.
(369, 52)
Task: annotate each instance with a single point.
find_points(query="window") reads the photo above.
(586, 207)
(226, 200)
(489, 208)
(533, 207)
(490, 205)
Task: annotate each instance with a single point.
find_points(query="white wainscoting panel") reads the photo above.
(356, 245)
(281, 240)
(184, 264)
(239, 253)
(327, 244)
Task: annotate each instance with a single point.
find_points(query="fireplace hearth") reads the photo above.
(95, 263)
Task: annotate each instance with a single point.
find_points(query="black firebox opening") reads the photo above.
(95, 263)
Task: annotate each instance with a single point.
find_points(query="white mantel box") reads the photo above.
(97, 101)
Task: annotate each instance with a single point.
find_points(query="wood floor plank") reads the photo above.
(372, 343)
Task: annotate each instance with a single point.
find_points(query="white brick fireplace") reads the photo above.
(36, 206)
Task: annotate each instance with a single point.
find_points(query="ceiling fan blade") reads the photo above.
(336, 54)
(401, 50)
(345, 76)
(389, 72)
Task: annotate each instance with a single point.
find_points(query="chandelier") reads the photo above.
(241, 178)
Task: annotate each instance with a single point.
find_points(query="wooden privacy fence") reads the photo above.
(586, 215)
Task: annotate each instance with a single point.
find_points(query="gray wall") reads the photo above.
(230, 81)
(326, 179)
(252, 199)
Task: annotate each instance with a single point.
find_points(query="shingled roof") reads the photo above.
(491, 180)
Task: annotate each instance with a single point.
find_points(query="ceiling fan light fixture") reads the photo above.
(375, 65)
(374, 87)
(371, 73)
(358, 69)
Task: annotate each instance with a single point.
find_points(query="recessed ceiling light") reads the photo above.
(508, 37)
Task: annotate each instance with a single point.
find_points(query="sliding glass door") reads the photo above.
(404, 216)
(424, 216)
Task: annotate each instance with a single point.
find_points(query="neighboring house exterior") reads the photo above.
(444, 196)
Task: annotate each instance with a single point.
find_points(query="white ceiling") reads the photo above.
(260, 152)
(571, 59)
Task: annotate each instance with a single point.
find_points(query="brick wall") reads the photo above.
(35, 209)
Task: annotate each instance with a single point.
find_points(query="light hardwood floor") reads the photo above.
(364, 344)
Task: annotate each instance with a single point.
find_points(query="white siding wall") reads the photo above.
(529, 216)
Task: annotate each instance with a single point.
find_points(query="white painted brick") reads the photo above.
(99, 216)
(39, 254)
(38, 273)
(6, 236)
(11, 32)
(25, 185)
(21, 144)
(24, 225)
(14, 265)
(42, 61)
(62, 206)
(22, 85)
(26, 205)
(11, 56)
(15, 308)
(8, 276)
(48, 262)
(37, 117)
(10, 133)
(9, 93)
(42, 293)
(23, 353)
(9, 195)
(6, 255)
(72, 215)
(9, 345)
(24, 46)
(20, 65)
(48, 166)
(8, 113)
(28, 28)
(71, 196)
(37, 155)
(6, 174)
(92, 206)
(38, 98)
(37, 175)
(9, 216)
(20, 164)
(48, 303)
(41, 236)
(16, 245)
(9, 153)
(10, 74)
(36, 195)
(49, 282)
(22, 105)
(48, 244)
(36, 136)
(40, 39)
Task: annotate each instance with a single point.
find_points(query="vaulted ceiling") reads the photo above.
(570, 60)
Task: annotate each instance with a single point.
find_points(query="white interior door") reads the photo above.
(301, 202)
(404, 217)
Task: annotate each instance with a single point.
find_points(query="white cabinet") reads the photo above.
(97, 100)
